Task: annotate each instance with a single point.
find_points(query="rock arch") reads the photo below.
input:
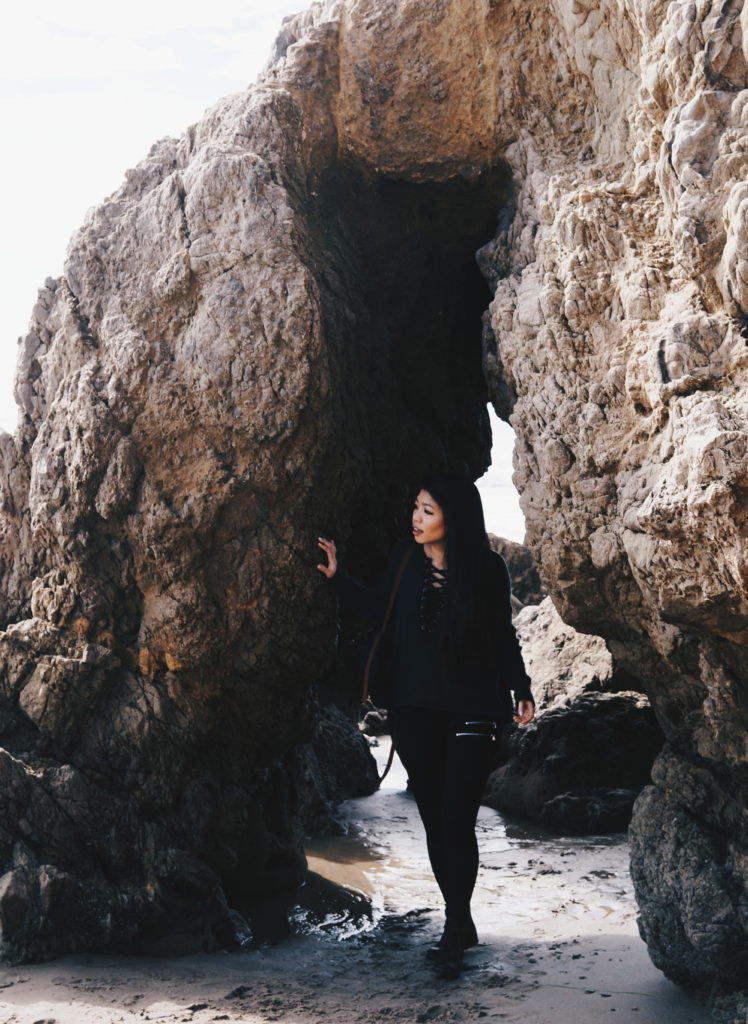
(197, 403)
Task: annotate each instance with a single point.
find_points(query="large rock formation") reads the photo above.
(272, 329)
(620, 354)
(227, 368)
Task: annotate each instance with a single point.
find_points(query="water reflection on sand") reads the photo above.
(527, 874)
(555, 915)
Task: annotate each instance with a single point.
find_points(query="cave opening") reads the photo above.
(406, 300)
(404, 306)
(405, 303)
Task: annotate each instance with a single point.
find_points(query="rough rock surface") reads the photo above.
(335, 766)
(270, 330)
(618, 349)
(563, 663)
(226, 369)
(580, 765)
(526, 585)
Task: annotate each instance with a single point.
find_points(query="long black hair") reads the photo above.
(469, 612)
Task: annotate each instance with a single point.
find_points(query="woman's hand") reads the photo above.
(328, 546)
(526, 710)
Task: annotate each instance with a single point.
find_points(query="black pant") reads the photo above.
(448, 761)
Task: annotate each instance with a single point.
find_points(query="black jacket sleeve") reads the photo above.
(511, 652)
(369, 601)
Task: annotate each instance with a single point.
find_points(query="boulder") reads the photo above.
(580, 765)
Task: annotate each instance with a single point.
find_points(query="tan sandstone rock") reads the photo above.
(272, 329)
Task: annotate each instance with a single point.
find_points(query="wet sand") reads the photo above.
(556, 917)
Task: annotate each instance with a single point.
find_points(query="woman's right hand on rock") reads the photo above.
(328, 546)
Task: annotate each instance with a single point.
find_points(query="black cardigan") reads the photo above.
(412, 669)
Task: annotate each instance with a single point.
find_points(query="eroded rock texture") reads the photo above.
(620, 350)
(562, 663)
(237, 358)
(583, 761)
(272, 329)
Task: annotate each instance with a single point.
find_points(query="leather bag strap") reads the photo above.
(390, 759)
(375, 644)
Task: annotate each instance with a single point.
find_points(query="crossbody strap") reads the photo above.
(365, 692)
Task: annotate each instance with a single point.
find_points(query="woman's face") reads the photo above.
(427, 519)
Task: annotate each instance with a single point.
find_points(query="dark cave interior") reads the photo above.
(401, 282)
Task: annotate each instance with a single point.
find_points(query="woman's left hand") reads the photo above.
(526, 710)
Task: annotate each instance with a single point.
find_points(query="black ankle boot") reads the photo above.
(448, 960)
(469, 939)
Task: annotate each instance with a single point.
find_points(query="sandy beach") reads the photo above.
(555, 914)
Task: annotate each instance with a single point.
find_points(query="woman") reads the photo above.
(454, 657)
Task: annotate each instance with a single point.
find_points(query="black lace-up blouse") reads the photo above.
(433, 592)
(412, 642)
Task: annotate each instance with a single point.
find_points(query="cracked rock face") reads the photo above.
(274, 329)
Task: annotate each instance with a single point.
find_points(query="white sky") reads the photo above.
(85, 89)
(500, 499)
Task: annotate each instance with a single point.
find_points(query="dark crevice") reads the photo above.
(182, 200)
(84, 325)
(741, 323)
(404, 300)
(663, 365)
